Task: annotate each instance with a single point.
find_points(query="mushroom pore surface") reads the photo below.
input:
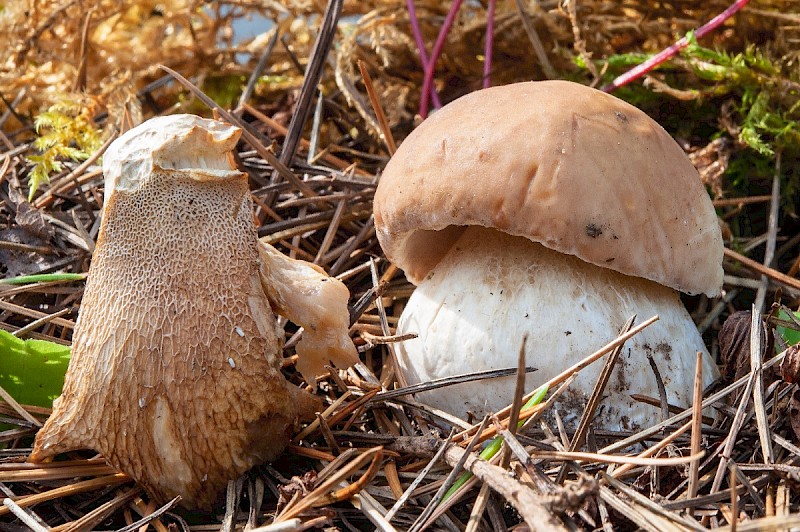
(491, 289)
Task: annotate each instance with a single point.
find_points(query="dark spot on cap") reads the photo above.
(620, 116)
(567, 333)
(593, 230)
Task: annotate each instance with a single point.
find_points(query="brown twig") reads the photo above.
(773, 274)
(521, 497)
(386, 132)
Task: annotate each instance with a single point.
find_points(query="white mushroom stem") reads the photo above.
(491, 289)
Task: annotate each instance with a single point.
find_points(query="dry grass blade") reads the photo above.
(652, 506)
(766, 524)
(70, 489)
(730, 440)
(353, 407)
(536, 42)
(91, 519)
(519, 391)
(756, 355)
(386, 133)
(327, 412)
(478, 509)
(423, 521)
(449, 381)
(630, 512)
(262, 63)
(325, 493)
(772, 273)
(25, 517)
(697, 424)
(372, 510)
(728, 202)
(734, 499)
(232, 495)
(772, 232)
(32, 326)
(325, 156)
(351, 490)
(44, 474)
(18, 408)
(22, 311)
(290, 525)
(671, 409)
(617, 459)
(418, 480)
(330, 234)
(316, 62)
(144, 521)
(393, 478)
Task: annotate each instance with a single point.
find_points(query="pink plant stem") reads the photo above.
(427, 83)
(650, 64)
(423, 55)
(487, 54)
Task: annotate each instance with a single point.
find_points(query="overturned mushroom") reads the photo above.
(175, 374)
(551, 210)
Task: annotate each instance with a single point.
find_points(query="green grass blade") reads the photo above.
(44, 278)
(494, 446)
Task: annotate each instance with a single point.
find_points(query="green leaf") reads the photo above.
(32, 371)
(790, 336)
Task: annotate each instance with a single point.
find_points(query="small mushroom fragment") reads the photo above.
(551, 210)
(175, 373)
(303, 293)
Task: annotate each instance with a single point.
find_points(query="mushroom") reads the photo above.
(552, 210)
(175, 373)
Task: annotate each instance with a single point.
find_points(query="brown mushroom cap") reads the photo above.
(559, 163)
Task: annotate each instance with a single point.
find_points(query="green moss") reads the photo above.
(753, 94)
(65, 132)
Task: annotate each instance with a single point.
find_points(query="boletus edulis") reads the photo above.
(554, 211)
(175, 373)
